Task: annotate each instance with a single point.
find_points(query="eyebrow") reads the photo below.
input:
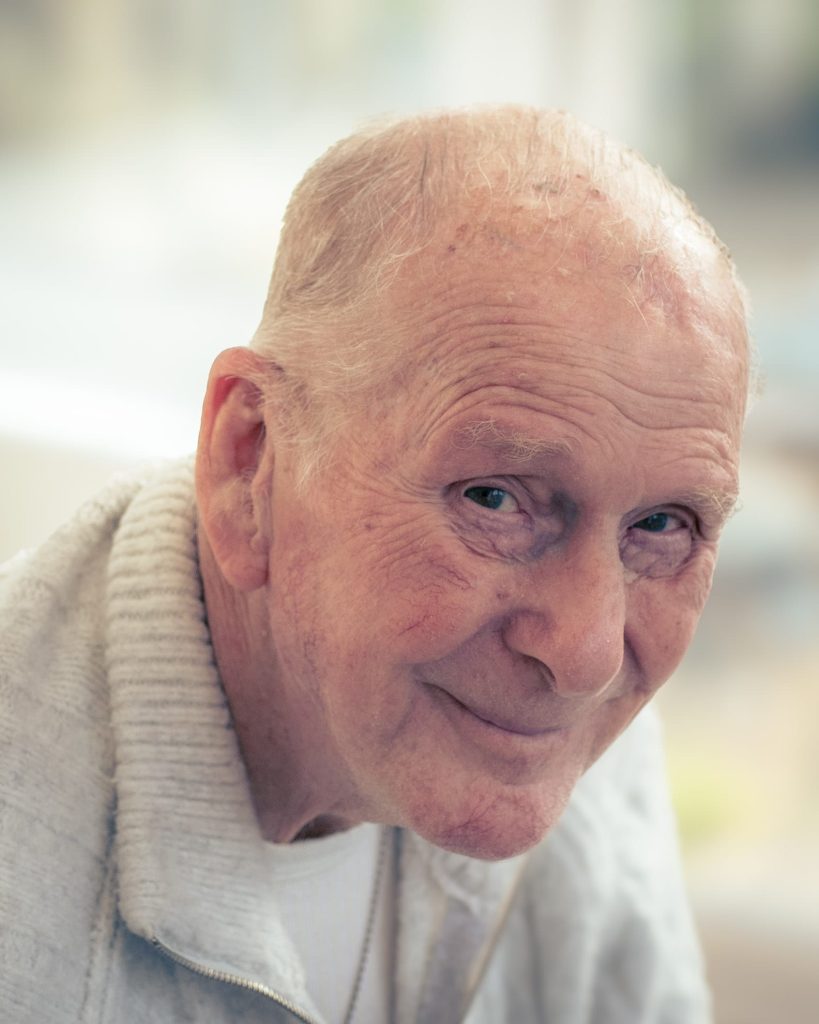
(516, 446)
(713, 505)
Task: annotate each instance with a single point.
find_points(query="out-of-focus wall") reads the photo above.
(146, 153)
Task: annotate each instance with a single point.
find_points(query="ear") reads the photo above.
(233, 450)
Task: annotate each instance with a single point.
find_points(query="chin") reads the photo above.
(506, 825)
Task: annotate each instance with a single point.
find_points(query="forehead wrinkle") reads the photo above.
(445, 334)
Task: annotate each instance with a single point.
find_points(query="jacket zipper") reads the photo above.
(276, 997)
(232, 979)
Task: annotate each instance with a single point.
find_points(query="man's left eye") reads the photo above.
(659, 522)
(658, 544)
(494, 498)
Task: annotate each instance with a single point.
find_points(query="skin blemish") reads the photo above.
(413, 626)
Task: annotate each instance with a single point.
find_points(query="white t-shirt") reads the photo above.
(324, 888)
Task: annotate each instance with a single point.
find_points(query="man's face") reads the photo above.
(505, 561)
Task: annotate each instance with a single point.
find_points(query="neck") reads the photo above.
(300, 789)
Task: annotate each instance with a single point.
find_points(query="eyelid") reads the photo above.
(502, 483)
(686, 516)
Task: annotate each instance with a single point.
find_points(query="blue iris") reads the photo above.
(655, 523)
(488, 497)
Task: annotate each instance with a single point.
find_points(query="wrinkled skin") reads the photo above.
(500, 565)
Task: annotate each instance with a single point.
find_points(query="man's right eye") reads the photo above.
(494, 498)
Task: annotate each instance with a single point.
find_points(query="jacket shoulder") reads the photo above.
(606, 898)
(56, 765)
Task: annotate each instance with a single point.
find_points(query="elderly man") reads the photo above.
(306, 735)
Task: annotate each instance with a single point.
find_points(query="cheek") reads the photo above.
(663, 617)
(418, 589)
(404, 548)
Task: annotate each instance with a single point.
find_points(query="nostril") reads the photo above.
(544, 673)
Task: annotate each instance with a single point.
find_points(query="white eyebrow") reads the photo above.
(711, 504)
(517, 446)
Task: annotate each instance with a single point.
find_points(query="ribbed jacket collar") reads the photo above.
(192, 873)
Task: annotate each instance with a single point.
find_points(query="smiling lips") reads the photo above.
(513, 728)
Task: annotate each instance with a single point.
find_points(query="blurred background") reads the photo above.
(147, 149)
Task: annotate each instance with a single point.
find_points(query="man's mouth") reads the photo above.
(505, 723)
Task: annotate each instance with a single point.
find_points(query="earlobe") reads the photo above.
(233, 451)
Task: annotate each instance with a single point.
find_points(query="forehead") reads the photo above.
(494, 290)
(492, 327)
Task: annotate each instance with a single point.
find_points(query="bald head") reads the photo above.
(421, 189)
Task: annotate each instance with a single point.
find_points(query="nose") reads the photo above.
(572, 620)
